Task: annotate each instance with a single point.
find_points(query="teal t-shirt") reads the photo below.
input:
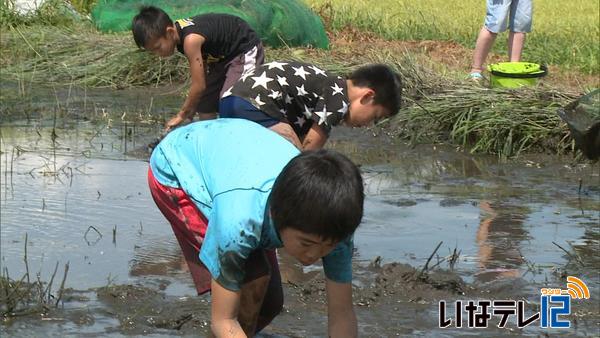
(228, 167)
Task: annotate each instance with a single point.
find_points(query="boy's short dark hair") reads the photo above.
(318, 192)
(151, 22)
(386, 84)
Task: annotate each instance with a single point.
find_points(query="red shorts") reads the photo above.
(189, 226)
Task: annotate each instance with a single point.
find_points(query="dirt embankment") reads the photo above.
(445, 56)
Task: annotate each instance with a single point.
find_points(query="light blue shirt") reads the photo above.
(228, 167)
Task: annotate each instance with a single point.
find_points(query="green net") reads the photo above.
(279, 22)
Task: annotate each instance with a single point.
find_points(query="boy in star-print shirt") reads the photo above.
(302, 101)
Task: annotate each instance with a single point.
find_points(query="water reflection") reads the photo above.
(500, 236)
(160, 258)
(100, 184)
(163, 257)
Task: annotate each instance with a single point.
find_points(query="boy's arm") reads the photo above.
(315, 138)
(192, 48)
(341, 316)
(225, 306)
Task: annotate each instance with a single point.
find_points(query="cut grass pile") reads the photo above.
(503, 122)
(80, 55)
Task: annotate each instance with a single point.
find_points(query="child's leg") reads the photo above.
(484, 43)
(496, 21)
(188, 224)
(520, 23)
(516, 41)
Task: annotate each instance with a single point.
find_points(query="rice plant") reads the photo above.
(565, 33)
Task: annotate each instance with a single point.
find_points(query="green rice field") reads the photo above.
(565, 33)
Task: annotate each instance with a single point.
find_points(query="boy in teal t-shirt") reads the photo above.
(233, 192)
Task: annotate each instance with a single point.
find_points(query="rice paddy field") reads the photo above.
(428, 42)
(565, 33)
(471, 192)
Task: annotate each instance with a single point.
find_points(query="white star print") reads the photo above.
(323, 114)
(301, 72)
(274, 94)
(246, 74)
(275, 64)
(337, 89)
(318, 71)
(227, 92)
(283, 112)
(261, 80)
(344, 108)
(282, 80)
(258, 101)
(301, 90)
(307, 111)
(300, 121)
(288, 99)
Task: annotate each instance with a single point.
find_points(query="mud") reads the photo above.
(391, 300)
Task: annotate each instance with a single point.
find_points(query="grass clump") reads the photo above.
(499, 121)
(27, 296)
(50, 13)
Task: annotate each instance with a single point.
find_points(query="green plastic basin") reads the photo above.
(515, 74)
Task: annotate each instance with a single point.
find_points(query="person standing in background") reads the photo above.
(515, 15)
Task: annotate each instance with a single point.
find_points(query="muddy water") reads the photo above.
(73, 168)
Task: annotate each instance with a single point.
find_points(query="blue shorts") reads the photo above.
(236, 107)
(513, 14)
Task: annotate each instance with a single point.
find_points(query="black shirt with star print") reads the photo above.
(294, 92)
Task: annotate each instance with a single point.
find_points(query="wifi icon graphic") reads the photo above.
(577, 289)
